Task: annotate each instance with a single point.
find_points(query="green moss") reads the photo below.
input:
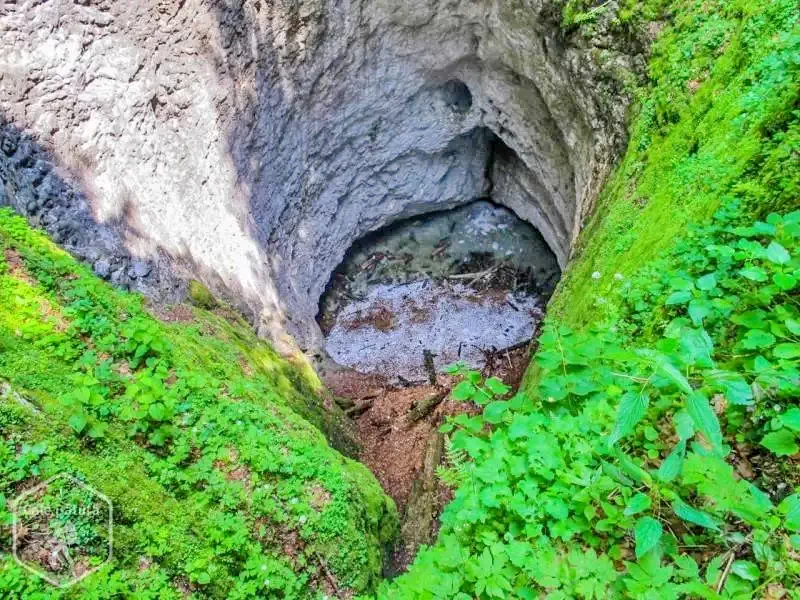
(206, 440)
(201, 296)
(718, 120)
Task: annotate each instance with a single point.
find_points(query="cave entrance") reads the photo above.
(468, 284)
(446, 286)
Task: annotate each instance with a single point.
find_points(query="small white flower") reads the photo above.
(302, 519)
(619, 276)
(596, 275)
(263, 567)
(266, 582)
(293, 501)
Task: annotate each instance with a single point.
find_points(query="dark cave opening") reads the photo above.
(454, 283)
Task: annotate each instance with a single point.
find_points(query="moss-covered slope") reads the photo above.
(198, 432)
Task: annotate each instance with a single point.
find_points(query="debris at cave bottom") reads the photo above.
(400, 443)
(394, 328)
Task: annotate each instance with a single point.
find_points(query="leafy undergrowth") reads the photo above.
(197, 432)
(654, 451)
(719, 120)
(661, 470)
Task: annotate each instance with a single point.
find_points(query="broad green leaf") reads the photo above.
(684, 425)
(671, 467)
(667, 369)
(681, 297)
(78, 422)
(705, 420)
(495, 411)
(463, 391)
(791, 419)
(631, 467)
(777, 254)
(746, 570)
(496, 386)
(734, 386)
(784, 281)
(786, 350)
(692, 515)
(781, 442)
(637, 504)
(157, 411)
(756, 339)
(707, 282)
(790, 508)
(97, 431)
(752, 319)
(793, 326)
(754, 274)
(648, 533)
(698, 310)
(631, 410)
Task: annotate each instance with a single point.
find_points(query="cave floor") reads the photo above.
(397, 428)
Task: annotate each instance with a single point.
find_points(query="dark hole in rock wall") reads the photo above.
(455, 284)
(457, 95)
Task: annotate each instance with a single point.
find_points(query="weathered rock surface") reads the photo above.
(249, 143)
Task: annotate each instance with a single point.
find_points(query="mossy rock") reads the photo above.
(201, 297)
(227, 487)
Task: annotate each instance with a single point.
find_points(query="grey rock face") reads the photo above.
(249, 143)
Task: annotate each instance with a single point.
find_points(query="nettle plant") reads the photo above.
(621, 476)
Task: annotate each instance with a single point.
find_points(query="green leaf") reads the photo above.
(97, 431)
(681, 297)
(157, 411)
(202, 578)
(698, 310)
(746, 570)
(754, 274)
(78, 422)
(705, 420)
(497, 387)
(671, 467)
(684, 425)
(495, 411)
(777, 254)
(692, 515)
(734, 386)
(752, 319)
(790, 507)
(786, 351)
(755, 339)
(791, 419)
(463, 391)
(648, 533)
(667, 369)
(784, 281)
(793, 326)
(637, 504)
(631, 410)
(707, 282)
(781, 442)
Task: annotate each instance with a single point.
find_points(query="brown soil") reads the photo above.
(174, 313)
(392, 444)
(380, 318)
(16, 266)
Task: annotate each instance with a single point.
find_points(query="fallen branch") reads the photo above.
(422, 408)
(359, 409)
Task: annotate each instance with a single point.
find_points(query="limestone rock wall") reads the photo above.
(249, 143)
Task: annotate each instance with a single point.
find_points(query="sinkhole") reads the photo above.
(428, 291)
